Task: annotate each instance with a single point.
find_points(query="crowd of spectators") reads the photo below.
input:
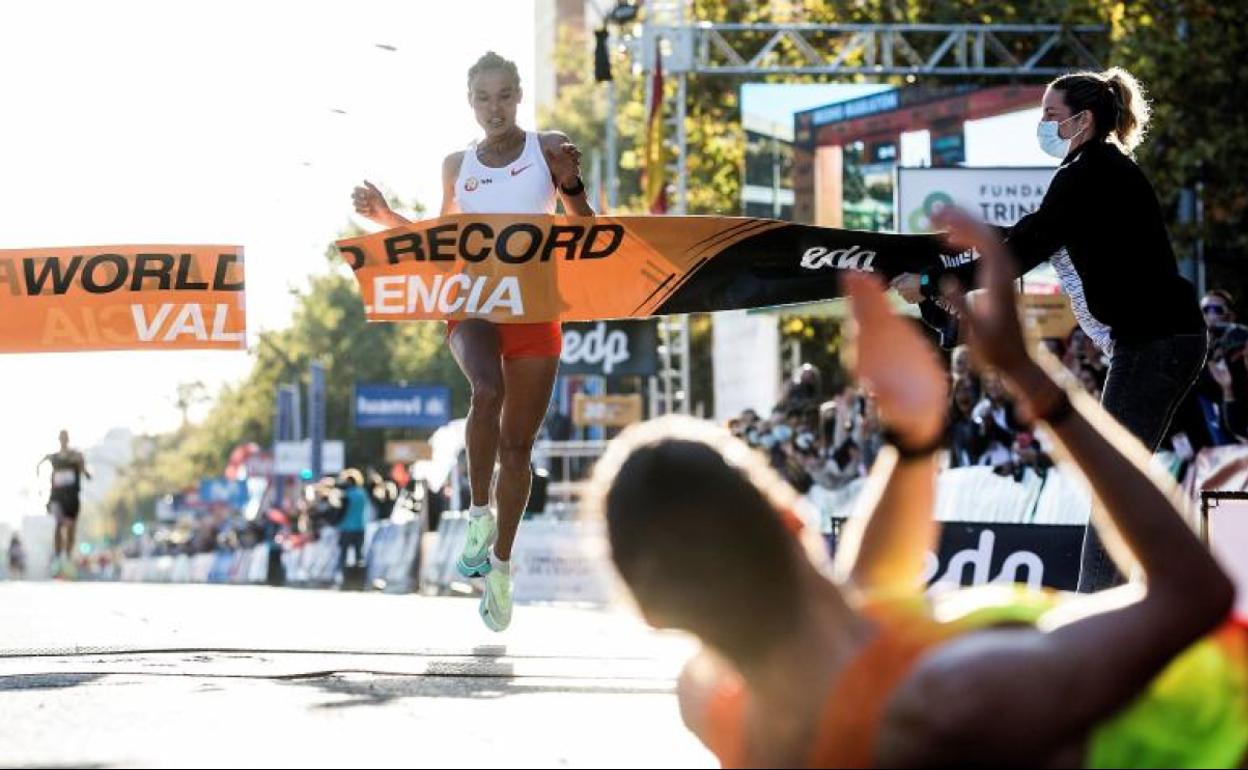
(813, 439)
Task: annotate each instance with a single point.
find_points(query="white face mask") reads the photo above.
(1051, 141)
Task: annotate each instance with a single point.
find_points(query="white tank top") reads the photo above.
(523, 187)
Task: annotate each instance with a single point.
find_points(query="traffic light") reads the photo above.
(623, 12)
(602, 57)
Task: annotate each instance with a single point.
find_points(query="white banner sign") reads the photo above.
(290, 458)
(999, 196)
(746, 363)
(553, 560)
(566, 561)
(1228, 539)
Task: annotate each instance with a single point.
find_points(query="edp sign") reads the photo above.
(610, 348)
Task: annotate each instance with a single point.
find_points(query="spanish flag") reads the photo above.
(654, 173)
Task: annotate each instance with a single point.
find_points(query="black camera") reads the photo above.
(1227, 340)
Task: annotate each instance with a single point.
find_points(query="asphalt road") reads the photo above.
(104, 675)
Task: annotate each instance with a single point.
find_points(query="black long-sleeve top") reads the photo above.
(1102, 228)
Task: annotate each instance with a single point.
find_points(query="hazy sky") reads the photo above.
(212, 122)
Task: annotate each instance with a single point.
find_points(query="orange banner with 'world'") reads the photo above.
(156, 297)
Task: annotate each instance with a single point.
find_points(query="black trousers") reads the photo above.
(1146, 382)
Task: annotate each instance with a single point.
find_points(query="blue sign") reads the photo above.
(316, 415)
(285, 426)
(219, 490)
(857, 108)
(402, 406)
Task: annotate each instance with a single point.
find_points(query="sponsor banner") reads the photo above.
(977, 494)
(555, 560)
(855, 108)
(972, 554)
(438, 571)
(392, 555)
(259, 465)
(610, 348)
(314, 563)
(745, 361)
(223, 491)
(201, 565)
(999, 196)
(608, 411)
(1220, 468)
(408, 452)
(165, 510)
(1047, 316)
(290, 458)
(1033, 554)
(564, 561)
(122, 297)
(1226, 529)
(993, 528)
(402, 406)
(525, 269)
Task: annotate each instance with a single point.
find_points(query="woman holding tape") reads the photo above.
(1101, 227)
(511, 367)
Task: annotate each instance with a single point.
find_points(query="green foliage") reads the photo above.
(1196, 135)
(328, 325)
